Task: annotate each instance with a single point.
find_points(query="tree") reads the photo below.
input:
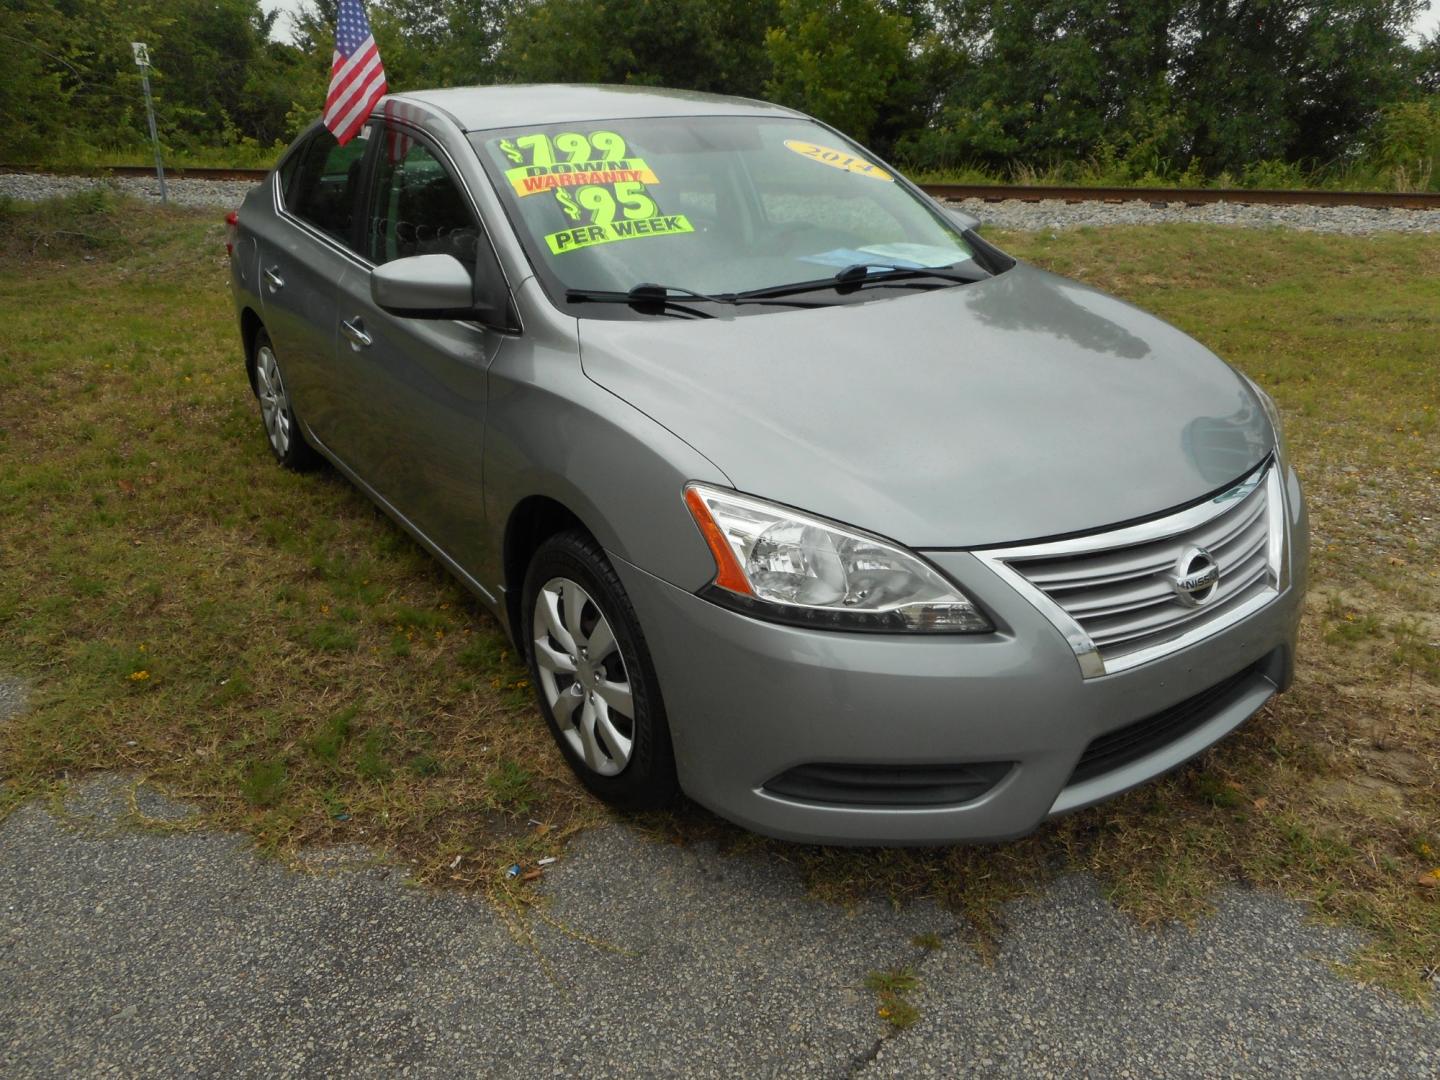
(1291, 80)
(430, 43)
(1048, 80)
(1425, 65)
(217, 71)
(37, 80)
(1146, 88)
(691, 44)
(842, 61)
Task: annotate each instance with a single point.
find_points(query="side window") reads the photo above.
(416, 208)
(288, 170)
(327, 183)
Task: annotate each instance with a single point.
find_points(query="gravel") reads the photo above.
(134, 953)
(225, 194)
(1055, 214)
(1006, 214)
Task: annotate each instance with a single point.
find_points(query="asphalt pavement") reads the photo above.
(132, 952)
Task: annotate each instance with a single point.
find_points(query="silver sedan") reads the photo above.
(799, 495)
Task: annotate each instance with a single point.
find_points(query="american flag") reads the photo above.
(357, 78)
(397, 141)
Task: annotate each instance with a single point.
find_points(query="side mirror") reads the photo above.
(438, 287)
(965, 222)
(424, 287)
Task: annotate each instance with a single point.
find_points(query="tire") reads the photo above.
(571, 595)
(277, 414)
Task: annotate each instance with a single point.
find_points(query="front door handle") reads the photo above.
(355, 330)
(272, 275)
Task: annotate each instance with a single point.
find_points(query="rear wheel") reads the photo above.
(593, 673)
(277, 413)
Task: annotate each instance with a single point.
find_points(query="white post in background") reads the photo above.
(142, 60)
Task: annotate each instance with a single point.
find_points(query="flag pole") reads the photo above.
(142, 60)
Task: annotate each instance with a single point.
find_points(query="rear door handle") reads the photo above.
(355, 330)
(272, 275)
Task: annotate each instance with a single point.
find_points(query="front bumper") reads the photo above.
(748, 700)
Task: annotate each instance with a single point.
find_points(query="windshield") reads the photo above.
(718, 205)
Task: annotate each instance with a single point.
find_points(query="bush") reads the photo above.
(1282, 175)
(1408, 143)
(88, 220)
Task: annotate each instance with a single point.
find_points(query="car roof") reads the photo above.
(477, 108)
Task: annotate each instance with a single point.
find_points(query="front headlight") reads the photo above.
(780, 564)
(1272, 413)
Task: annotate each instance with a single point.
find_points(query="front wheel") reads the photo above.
(592, 670)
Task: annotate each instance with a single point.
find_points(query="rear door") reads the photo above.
(303, 263)
(416, 432)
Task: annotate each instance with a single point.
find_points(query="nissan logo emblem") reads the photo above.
(1195, 578)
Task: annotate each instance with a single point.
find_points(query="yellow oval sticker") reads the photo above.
(838, 159)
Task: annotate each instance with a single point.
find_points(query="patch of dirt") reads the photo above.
(1363, 791)
(12, 698)
(1392, 767)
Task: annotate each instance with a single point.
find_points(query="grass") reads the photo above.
(265, 644)
(271, 648)
(249, 155)
(892, 990)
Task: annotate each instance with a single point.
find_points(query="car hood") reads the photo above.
(1020, 407)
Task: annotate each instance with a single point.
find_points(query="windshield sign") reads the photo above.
(715, 205)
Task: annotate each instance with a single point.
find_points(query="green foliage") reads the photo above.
(1408, 142)
(263, 783)
(373, 759)
(86, 221)
(693, 44)
(511, 787)
(328, 741)
(1276, 79)
(839, 60)
(1053, 78)
(1152, 92)
(70, 84)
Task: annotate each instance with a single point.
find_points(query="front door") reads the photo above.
(415, 429)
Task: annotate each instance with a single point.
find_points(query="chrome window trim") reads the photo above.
(278, 197)
(325, 238)
(1087, 654)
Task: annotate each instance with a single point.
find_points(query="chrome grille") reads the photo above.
(1115, 596)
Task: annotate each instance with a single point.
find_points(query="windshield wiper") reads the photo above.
(648, 292)
(857, 275)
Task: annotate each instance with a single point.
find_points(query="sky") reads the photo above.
(1425, 24)
(282, 24)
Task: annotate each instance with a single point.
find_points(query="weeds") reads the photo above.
(892, 988)
(83, 223)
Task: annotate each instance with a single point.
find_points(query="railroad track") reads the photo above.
(1386, 200)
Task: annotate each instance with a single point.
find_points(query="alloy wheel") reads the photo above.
(583, 676)
(274, 405)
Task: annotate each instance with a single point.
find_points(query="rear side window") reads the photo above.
(417, 208)
(288, 168)
(326, 183)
